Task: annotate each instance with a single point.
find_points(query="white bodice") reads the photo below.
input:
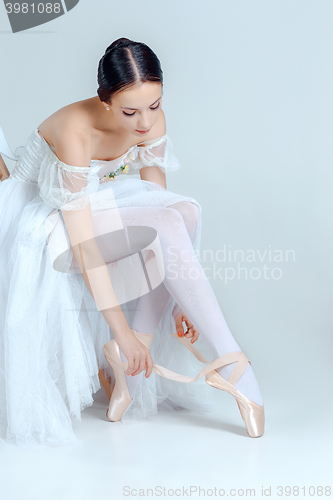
(130, 158)
(60, 183)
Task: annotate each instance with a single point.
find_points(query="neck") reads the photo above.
(102, 119)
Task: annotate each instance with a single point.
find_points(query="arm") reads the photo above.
(153, 174)
(4, 173)
(73, 148)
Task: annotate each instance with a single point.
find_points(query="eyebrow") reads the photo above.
(135, 109)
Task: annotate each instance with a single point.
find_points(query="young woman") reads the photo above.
(79, 238)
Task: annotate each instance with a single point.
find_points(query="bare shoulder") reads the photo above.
(72, 143)
(68, 130)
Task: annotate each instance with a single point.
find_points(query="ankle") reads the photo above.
(247, 384)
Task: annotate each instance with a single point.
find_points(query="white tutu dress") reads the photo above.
(51, 331)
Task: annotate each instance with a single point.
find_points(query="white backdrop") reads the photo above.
(248, 103)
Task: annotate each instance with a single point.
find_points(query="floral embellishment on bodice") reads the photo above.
(122, 169)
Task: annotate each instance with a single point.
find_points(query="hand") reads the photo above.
(136, 353)
(191, 331)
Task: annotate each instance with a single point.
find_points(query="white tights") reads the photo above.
(176, 226)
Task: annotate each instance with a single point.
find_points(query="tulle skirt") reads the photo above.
(52, 334)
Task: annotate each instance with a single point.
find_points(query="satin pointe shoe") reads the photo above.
(120, 396)
(252, 414)
(105, 383)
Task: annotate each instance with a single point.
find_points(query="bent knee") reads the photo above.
(190, 213)
(189, 210)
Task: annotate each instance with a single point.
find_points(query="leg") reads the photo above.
(186, 281)
(148, 313)
(149, 308)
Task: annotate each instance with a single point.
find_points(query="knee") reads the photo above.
(178, 218)
(172, 217)
(190, 213)
(170, 225)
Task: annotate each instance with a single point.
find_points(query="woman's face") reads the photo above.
(137, 109)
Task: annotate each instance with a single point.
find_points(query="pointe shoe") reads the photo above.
(252, 413)
(120, 397)
(105, 383)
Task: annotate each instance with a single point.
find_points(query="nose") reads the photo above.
(143, 124)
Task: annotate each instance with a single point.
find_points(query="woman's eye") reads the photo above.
(131, 114)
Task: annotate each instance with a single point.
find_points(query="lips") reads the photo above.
(143, 131)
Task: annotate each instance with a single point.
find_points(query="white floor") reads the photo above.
(180, 450)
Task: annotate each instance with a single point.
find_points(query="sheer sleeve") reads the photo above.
(158, 154)
(66, 187)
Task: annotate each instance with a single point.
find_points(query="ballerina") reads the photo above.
(80, 239)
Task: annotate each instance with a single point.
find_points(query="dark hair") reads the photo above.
(125, 64)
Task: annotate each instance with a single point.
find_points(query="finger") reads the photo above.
(133, 364)
(189, 332)
(141, 364)
(130, 366)
(195, 336)
(179, 326)
(139, 367)
(149, 366)
(188, 323)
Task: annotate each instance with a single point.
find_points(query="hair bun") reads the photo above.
(117, 43)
